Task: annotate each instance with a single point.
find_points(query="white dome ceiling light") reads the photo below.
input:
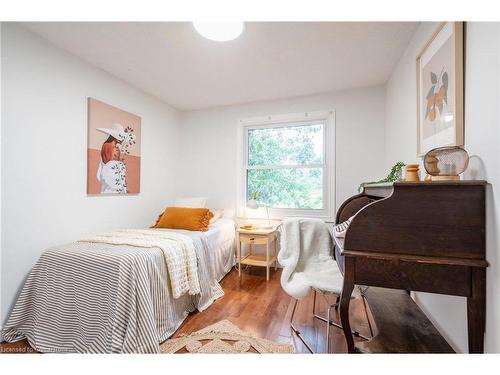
(219, 31)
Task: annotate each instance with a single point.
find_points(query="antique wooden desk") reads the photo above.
(417, 236)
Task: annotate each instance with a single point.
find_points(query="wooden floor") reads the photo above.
(263, 308)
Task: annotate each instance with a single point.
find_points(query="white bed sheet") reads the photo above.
(220, 237)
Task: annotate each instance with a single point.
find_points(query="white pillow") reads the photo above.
(197, 202)
(217, 215)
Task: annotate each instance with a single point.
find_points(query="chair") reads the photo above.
(308, 263)
(325, 319)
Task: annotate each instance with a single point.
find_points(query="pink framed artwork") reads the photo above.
(114, 150)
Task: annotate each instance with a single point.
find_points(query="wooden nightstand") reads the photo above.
(257, 237)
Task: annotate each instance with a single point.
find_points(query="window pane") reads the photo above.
(287, 187)
(286, 145)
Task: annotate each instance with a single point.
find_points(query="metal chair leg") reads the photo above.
(336, 325)
(326, 320)
(296, 331)
(366, 314)
(328, 331)
(314, 302)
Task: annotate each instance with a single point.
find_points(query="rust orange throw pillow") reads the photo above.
(185, 218)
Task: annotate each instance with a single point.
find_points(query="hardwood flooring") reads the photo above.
(263, 308)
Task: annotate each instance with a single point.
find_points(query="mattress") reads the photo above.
(101, 298)
(220, 239)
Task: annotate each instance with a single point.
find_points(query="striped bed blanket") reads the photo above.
(120, 292)
(178, 251)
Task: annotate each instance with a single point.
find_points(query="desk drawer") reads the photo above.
(418, 277)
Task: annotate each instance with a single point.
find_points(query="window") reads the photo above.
(287, 161)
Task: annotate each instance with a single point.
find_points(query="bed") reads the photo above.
(97, 297)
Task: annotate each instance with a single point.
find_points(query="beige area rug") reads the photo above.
(223, 338)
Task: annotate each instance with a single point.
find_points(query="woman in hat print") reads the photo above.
(111, 172)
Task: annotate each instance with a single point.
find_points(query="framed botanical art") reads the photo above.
(440, 89)
(114, 150)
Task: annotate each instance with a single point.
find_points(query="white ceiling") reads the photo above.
(270, 60)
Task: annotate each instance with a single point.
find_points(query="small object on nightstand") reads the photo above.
(253, 204)
(412, 173)
(257, 237)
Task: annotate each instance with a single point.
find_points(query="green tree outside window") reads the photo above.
(285, 166)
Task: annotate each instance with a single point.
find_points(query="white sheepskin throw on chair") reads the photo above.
(306, 257)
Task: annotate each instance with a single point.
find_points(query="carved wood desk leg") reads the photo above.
(345, 300)
(476, 311)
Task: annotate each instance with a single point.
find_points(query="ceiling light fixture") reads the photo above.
(219, 31)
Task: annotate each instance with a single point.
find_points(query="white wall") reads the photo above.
(482, 136)
(44, 138)
(401, 101)
(207, 162)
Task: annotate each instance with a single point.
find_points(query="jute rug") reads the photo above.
(223, 338)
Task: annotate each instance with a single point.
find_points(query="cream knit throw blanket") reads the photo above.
(178, 251)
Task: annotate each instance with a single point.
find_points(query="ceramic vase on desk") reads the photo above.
(412, 173)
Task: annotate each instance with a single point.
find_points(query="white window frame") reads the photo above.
(294, 119)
